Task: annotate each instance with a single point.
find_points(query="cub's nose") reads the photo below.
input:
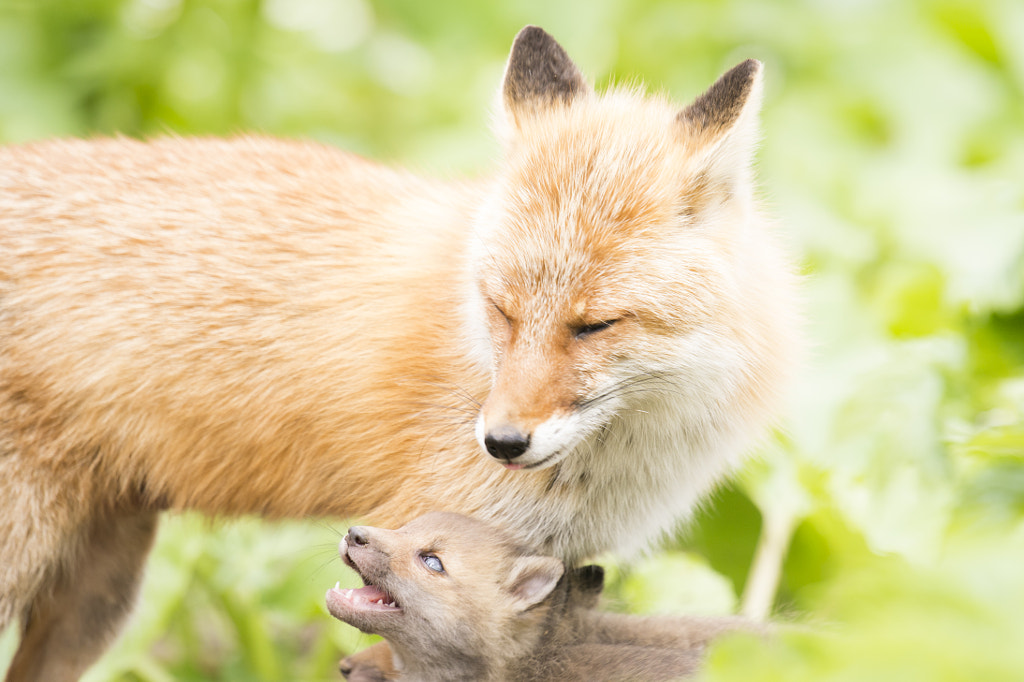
(358, 536)
(506, 442)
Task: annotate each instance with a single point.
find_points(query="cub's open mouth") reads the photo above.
(342, 604)
(353, 606)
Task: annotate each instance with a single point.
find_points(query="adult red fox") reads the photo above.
(253, 326)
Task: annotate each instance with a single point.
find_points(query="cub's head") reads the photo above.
(446, 590)
(619, 261)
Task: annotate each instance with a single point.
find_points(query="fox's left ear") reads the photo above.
(720, 127)
(539, 75)
(532, 578)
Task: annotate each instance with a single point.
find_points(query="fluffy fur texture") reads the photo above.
(254, 326)
(458, 600)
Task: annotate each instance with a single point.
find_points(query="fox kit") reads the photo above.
(577, 349)
(459, 600)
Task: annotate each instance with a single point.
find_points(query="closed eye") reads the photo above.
(500, 310)
(586, 330)
(432, 562)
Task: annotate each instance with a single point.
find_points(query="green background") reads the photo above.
(890, 504)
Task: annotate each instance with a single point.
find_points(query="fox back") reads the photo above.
(576, 349)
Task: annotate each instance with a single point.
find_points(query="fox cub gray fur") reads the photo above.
(458, 600)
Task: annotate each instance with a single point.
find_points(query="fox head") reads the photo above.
(616, 264)
(454, 596)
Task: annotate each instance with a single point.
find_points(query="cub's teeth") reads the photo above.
(337, 585)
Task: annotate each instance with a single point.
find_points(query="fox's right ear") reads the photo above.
(539, 74)
(721, 127)
(532, 579)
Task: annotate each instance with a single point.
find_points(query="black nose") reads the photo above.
(357, 535)
(506, 442)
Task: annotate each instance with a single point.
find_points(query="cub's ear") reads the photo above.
(532, 578)
(538, 75)
(720, 126)
(589, 578)
(585, 585)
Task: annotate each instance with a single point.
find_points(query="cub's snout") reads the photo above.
(357, 536)
(362, 550)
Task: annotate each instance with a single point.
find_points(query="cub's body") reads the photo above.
(460, 601)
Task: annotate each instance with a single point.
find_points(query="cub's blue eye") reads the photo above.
(432, 562)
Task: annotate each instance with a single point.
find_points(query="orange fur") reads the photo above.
(254, 326)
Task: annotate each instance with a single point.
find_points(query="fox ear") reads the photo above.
(532, 578)
(539, 74)
(588, 578)
(720, 126)
(585, 585)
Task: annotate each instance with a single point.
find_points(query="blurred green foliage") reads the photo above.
(891, 504)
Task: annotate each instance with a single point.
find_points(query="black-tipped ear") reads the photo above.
(539, 73)
(589, 578)
(717, 111)
(586, 584)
